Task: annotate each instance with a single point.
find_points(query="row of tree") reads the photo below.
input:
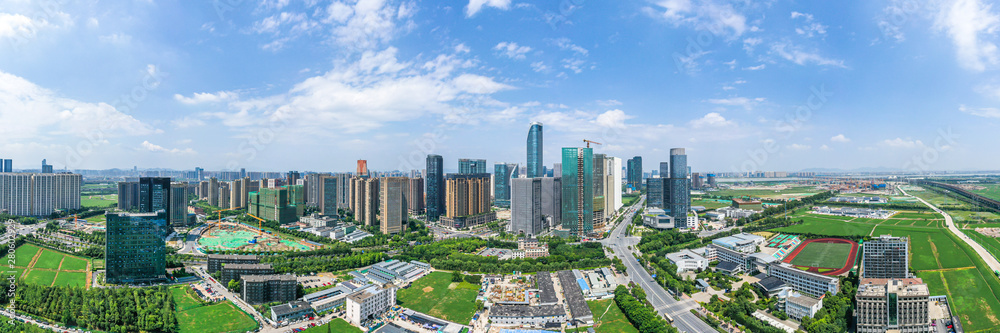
(643, 317)
(104, 309)
(305, 265)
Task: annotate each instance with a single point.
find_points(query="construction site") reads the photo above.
(237, 236)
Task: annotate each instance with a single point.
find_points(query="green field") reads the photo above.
(940, 200)
(709, 204)
(828, 255)
(184, 298)
(828, 227)
(40, 277)
(336, 325)
(71, 279)
(437, 296)
(917, 215)
(991, 244)
(799, 191)
(992, 191)
(23, 255)
(99, 201)
(930, 249)
(614, 321)
(71, 263)
(220, 317)
(970, 294)
(49, 259)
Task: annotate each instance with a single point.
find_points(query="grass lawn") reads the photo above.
(916, 215)
(828, 227)
(992, 191)
(49, 259)
(614, 321)
(98, 264)
(924, 242)
(972, 296)
(72, 263)
(435, 295)
(71, 279)
(23, 255)
(337, 325)
(991, 244)
(40, 277)
(184, 298)
(940, 200)
(829, 255)
(17, 271)
(221, 317)
(98, 201)
(709, 204)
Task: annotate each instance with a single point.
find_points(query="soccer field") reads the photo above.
(826, 255)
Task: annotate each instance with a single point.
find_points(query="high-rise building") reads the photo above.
(8, 166)
(313, 184)
(128, 196)
(154, 194)
(892, 305)
(328, 195)
(392, 201)
(37, 194)
(551, 202)
(578, 190)
(598, 183)
(292, 177)
(467, 200)
(199, 173)
(297, 198)
(712, 181)
(258, 289)
(178, 204)
(416, 196)
(502, 173)
(526, 207)
(243, 173)
(469, 166)
(679, 188)
(273, 204)
(46, 168)
(343, 190)
(224, 192)
(696, 180)
(364, 200)
(885, 257)
(615, 166)
(236, 198)
(535, 162)
(134, 248)
(557, 170)
(362, 168)
(634, 174)
(213, 192)
(434, 201)
(655, 190)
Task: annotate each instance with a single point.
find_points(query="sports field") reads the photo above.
(825, 255)
(220, 317)
(437, 296)
(50, 268)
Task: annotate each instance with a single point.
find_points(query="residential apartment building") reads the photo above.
(217, 261)
(416, 196)
(233, 272)
(467, 200)
(892, 305)
(393, 215)
(37, 194)
(258, 289)
(886, 257)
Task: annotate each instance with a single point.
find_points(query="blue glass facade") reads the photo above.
(468, 165)
(501, 183)
(578, 190)
(680, 192)
(535, 162)
(435, 187)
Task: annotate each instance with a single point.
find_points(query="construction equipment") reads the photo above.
(222, 210)
(260, 224)
(589, 142)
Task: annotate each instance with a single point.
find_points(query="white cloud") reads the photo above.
(755, 68)
(31, 112)
(201, 98)
(810, 28)
(539, 66)
(705, 15)
(565, 44)
(612, 119)
(512, 50)
(476, 5)
(970, 24)
(981, 112)
(746, 103)
(824, 147)
(750, 43)
(116, 38)
(18, 26)
(892, 16)
(808, 17)
(146, 145)
(902, 143)
(609, 102)
(187, 122)
(713, 119)
(574, 64)
(796, 146)
(461, 48)
(797, 55)
(840, 138)
(367, 24)
(93, 23)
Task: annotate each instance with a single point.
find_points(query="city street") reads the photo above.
(665, 304)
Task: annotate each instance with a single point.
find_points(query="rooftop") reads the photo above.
(290, 307)
(246, 266)
(901, 287)
(268, 277)
(728, 266)
(803, 300)
(526, 311)
(771, 283)
(233, 256)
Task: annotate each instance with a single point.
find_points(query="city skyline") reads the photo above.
(771, 86)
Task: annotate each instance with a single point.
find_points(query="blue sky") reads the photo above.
(315, 85)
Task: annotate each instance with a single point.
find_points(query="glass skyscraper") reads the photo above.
(680, 192)
(134, 248)
(634, 175)
(578, 190)
(535, 162)
(434, 202)
(468, 165)
(502, 173)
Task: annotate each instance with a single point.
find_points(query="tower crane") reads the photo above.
(589, 142)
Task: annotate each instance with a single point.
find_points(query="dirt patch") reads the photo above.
(428, 289)
(453, 285)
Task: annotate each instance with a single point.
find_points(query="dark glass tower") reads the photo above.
(535, 162)
(468, 165)
(634, 175)
(680, 192)
(435, 187)
(502, 173)
(154, 194)
(578, 190)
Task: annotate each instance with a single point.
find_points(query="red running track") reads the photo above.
(847, 266)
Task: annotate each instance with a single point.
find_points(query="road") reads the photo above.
(218, 287)
(680, 311)
(191, 243)
(987, 257)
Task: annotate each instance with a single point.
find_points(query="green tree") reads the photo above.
(234, 286)
(456, 276)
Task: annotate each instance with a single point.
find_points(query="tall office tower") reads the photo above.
(696, 180)
(598, 183)
(635, 173)
(885, 257)
(128, 196)
(892, 305)
(655, 190)
(224, 198)
(526, 206)
(178, 204)
(680, 193)
(393, 204)
(502, 173)
(243, 173)
(578, 190)
(416, 196)
(199, 173)
(272, 204)
(535, 163)
(134, 248)
(236, 198)
(711, 180)
(46, 168)
(213, 192)
(616, 181)
(551, 202)
(154, 194)
(434, 201)
(664, 170)
(362, 168)
(467, 200)
(328, 194)
(343, 190)
(292, 177)
(8, 166)
(468, 165)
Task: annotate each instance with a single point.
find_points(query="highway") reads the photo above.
(680, 311)
(987, 257)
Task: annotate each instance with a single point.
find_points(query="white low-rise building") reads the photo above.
(799, 306)
(369, 302)
(687, 260)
